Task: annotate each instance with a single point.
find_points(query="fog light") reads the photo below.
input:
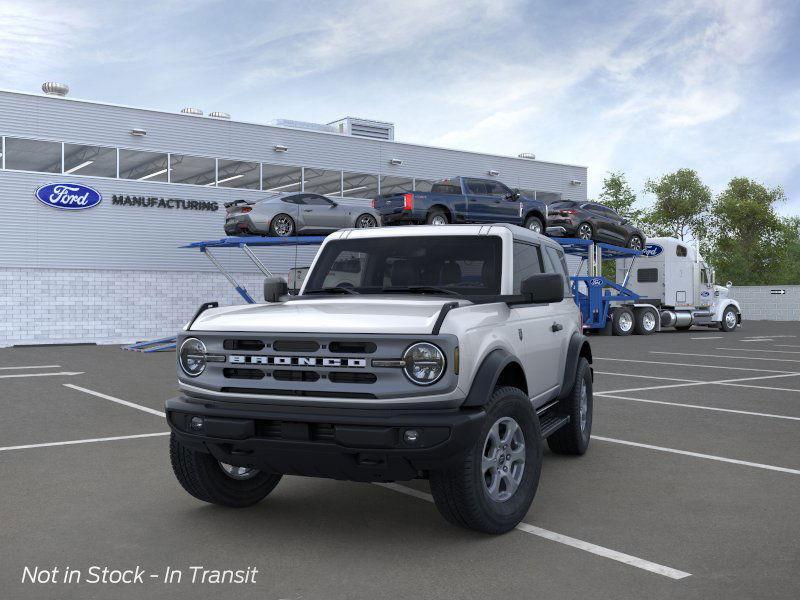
(196, 423)
(411, 436)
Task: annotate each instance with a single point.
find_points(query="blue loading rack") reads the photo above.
(244, 243)
(593, 292)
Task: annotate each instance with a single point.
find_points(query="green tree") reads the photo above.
(681, 205)
(750, 243)
(618, 195)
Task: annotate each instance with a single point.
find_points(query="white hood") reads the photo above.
(351, 314)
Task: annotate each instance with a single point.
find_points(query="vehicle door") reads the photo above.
(599, 219)
(705, 289)
(505, 204)
(564, 312)
(617, 224)
(479, 201)
(322, 214)
(541, 347)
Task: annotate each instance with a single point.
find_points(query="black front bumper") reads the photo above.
(358, 445)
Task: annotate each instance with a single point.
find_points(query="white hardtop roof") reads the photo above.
(499, 229)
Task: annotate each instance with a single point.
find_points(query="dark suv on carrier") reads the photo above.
(593, 221)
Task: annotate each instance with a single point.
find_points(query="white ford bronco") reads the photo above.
(444, 353)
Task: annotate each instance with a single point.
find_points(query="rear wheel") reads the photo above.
(635, 243)
(210, 480)
(729, 320)
(573, 438)
(622, 321)
(491, 487)
(645, 323)
(365, 221)
(437, 217)
(534, 224)
(584, 231)
(281, 226)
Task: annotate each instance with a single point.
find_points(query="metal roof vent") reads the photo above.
(219, 115)
(377, 130)
(51, 88)
(192, 111)
(527, 155)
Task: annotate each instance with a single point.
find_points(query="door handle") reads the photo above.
(557, 327)
(307, 210)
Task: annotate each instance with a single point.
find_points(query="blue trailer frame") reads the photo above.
(596, 302)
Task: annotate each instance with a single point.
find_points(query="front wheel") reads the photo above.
(729, 320)
(491, 487)
(281, 226)
(534, 224)
(210, 480)
(366, 221)
(584, 231)
(635, 243)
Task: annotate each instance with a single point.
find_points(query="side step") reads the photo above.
(551, 421)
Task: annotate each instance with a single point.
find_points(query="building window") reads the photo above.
(359, 185)
(97, 161)
(237, 174)
(144, 166)
(396, 185)
(423, 185)
(33, 155)
(194, 170)
(280, 178)
(321, 181)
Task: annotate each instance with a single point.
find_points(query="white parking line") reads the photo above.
(708, 337)
(646, 376)
(725, 356)
(65, 373)
(31, 367)
(758, 350)
(86, 441)
(655, 362)
(787, 346)
(701, 407)
(627, 559)
(698, 455)
(152, 411)
(717, 382)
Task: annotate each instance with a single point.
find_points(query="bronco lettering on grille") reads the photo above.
(297, 361)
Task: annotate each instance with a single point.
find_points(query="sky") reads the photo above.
(639, 87)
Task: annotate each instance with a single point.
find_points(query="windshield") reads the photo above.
(462, 265)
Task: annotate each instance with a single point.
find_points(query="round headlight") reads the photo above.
(192, 357)
(424, 363)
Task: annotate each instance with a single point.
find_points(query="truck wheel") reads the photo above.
(210, 480)
(534, 224)
(573, 438)
(729, 320)
(281, 226)
(437, 217)
(491, 487)
(645, 321)
(622, 321)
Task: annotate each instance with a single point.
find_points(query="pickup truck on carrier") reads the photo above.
(463, 200)
(444, 353)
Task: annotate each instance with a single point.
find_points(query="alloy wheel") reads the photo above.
(282, 226)
(503, 459)
(585, 232)
(365, 221)
(635, 243)
(439, 220)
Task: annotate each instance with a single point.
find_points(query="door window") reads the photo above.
(556, 263)
(317, 200)
(527, 262)
(477, 187)
(495, 188)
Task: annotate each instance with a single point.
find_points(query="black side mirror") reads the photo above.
(543, 288)
(512, 195)
(274, 288)
(334, 204)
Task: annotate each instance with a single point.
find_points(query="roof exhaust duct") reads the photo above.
(219, 115)
(192, 111)
(51, 88)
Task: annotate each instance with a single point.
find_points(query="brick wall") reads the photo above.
(47, 306)
(758, 303)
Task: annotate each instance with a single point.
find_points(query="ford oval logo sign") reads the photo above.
(596, 281)
(652, 250)
(68, 196)
(705, 294)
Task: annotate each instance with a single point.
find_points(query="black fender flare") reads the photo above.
(486, 377)
(577, 343)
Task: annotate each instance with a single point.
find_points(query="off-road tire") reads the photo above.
(573, 438)
(723, 325)
(434, 213)
(201, 475)
(639, 325)
(618, 322)
(530, 221)
(459, 492)
(272, 230)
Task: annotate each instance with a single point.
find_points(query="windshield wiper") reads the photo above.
(331, 290)
(421, 289)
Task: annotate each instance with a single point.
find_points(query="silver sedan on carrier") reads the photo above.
(295, 213)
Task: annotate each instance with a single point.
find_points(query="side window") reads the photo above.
(293, 200)
(681, 251)
(559, 265)
(704, 276)
(495, 188)
(527, 262)
(476, 186)
(316, 200)
(647, 275)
